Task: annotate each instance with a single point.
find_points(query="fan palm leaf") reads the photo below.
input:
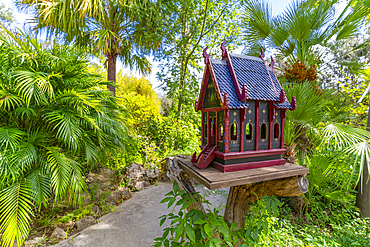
(301, 27)
(342, 136)
(311, 102)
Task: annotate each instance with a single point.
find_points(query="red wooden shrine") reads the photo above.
(243, 110)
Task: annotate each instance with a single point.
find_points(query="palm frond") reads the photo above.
(81, 101)
(66, 127)
(10, 137)
(76, 182)
(311, 102)
(357, 157)
(34, 85)
(15, 212)
(257, 20)
(341, 136)
(9, 101)
(23, 112)
(40, 187)
(60, 171)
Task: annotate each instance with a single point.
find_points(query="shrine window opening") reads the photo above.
(220, 132)
(248, 131)
(276, 130)
(234, 132)
(213, 128)
(263, 131)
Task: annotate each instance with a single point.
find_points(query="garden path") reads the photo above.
(135, 222)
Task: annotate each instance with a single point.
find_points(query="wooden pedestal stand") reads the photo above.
(282, 180)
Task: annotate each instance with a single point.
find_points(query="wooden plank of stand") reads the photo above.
(215, 179)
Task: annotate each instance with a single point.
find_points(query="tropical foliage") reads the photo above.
(157, 136)
(115, 29)
(56, 119)
(304, 27)
(185, 36)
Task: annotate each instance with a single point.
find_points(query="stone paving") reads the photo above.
(135, 222)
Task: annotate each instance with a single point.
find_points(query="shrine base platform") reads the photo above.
(215, 179)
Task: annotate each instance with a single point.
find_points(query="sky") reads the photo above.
(21, 18)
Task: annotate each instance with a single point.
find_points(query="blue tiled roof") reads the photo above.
(225, 82)
(286, 103)
(260, 81)
(254, 75)
(283, 105)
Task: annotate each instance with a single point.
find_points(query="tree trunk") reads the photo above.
(112, 73)
(363, 197)
(240, 197)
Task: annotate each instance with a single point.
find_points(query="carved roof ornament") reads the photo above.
(223, 49)
(262, 56)
(226, 100)
(244, 93)
(282, 96)
(272, 64)
(205, 55)
(293, 104)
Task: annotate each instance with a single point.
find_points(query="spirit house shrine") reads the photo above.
(243, 109)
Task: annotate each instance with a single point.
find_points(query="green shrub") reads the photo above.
(55, 120)
(195, 228)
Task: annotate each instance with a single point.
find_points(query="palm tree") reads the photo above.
(313, 105)
(298, 35)
(54, 117)
(115, 29)
(305, 25)
(341, 150)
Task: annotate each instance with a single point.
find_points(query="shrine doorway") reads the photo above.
(213, 131)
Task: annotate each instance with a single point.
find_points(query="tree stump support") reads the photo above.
(290, 181)
(240, 197)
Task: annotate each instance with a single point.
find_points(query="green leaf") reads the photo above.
(190, 232)
(255, 235)
(179, 230)
(166, 199)
(199, 222)
(224, 230)
(172, 201)
(175, 186)
(203, 233)
(208, 230)
(233, 226)
(163, 220)
(185, 205)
